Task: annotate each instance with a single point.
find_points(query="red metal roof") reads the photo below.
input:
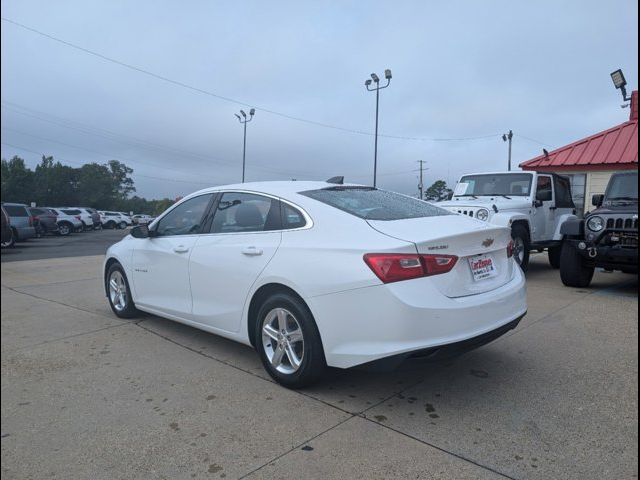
(615, 148)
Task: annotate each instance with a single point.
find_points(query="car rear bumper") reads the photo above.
(442, 352)
(25, 233)
(400, 319)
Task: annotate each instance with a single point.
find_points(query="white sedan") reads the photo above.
(317, 274)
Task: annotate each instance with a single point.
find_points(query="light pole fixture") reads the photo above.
(620, 83)
(507, 137)
(244, 120)
(375, 81)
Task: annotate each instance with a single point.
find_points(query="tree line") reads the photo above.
(106, 186)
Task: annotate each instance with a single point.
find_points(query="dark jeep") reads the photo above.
(607, 237)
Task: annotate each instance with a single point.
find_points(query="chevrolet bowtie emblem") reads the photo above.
(488, 242)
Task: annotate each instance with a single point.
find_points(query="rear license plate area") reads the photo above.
(482, 267)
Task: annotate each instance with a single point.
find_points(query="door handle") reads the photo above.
(180, 249)
(252, 251)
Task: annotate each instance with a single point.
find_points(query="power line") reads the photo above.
(80, 163)
(229, 99)
(94, 151)
(116, 137)
(534, 140)
(138, 143)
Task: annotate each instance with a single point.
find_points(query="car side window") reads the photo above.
(544, 190)
(246, 212)
(563, 193)
(291, 217)
(185, 219)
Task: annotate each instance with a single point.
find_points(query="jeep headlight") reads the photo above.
(482, 214)
(595, 224)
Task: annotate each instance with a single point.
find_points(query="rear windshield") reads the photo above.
(373, 204)
(16, 211)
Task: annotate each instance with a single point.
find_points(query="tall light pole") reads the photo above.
(507, 137)
(377, 88)
(244, 120)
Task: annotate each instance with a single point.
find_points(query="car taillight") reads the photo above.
(510, 249)
(31, 220)
(393, 267)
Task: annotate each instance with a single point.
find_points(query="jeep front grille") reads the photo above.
(469, 213)
(623, 223)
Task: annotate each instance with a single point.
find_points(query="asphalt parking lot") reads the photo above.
(93, 242)
(87, 395)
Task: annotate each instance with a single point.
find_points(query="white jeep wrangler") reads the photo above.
(533, 204)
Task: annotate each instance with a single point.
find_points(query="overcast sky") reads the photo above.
(460, 70)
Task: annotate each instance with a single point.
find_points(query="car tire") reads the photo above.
(11, 242)
(64, 229)
(573, 271)
(119, 292)
(122, 225)
(289, 313)
(554, 256)
(522, 245)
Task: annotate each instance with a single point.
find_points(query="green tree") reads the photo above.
(122, 182)
(17, 181)
(438, 191)
(54, 183)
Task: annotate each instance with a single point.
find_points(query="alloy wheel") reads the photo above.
(118, 291)
(283, 340)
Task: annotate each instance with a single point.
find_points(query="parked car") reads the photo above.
(532, 204)
(66, 223)
(85, 217)
(95, 217)
(142, 218)
(113, 220)
(44, 220)
(607, 237)
(21, 221)
(7, 233)
(126, 217)
(314, 274)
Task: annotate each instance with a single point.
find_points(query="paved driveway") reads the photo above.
(86, 395)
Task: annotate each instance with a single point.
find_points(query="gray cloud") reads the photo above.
(461, 69)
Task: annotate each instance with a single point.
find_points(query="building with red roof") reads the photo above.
(591, 161)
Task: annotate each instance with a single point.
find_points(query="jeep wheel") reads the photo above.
(573, 269)
(554, 256)
(521, 246)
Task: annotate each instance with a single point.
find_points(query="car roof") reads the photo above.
(276, 188)
(500, 173)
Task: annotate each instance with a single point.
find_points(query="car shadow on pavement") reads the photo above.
(353, 390)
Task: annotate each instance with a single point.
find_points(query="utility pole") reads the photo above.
(421, 184)
(377, 88)
(507, 137)
(244, 120)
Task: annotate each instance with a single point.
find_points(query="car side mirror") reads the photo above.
(597, 200)
(140, 231)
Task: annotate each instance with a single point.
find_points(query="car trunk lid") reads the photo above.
(478, 246)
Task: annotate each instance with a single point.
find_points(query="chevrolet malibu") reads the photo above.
(317, 274)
